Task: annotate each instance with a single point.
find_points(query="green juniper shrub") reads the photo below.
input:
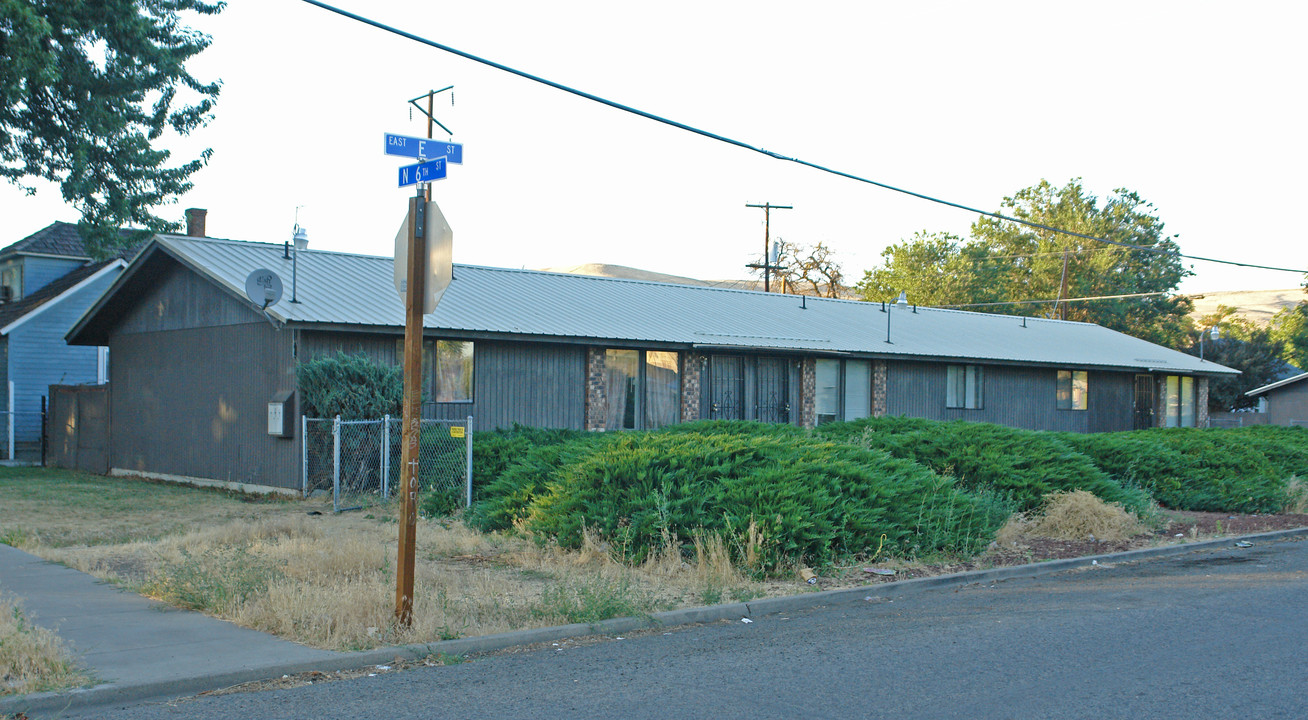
(811, 501)
(1285, 447)
(1024, 465)
(356, 387)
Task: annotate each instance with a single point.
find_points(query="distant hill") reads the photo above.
(1256, 305)
(623, 272)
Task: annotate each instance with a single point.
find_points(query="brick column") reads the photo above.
(878, 388)
(808, 392)
(692, 372)
(597, 404)
(1201, 402)
(1160, 401)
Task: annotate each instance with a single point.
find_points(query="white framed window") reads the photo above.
(1180, 401)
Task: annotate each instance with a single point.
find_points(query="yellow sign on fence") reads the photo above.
(456, 431)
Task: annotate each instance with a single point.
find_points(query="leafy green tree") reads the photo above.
(1043, 262)
(934, 269)
(1290, 328)
(1005, 261)
(1245, 346)
(87, 87)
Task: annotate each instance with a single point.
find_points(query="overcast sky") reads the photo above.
(1198, 107)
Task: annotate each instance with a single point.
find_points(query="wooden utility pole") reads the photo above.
(413, 300)
(767, 265)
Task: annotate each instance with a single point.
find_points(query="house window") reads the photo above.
(643, 389)
(447, 370)
(964, 387)
(827, 395)
(1180, 405)
(843, 390)
(1073, 390)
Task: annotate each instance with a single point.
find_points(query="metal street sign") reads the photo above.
(423, 172)
(424, 148)
(440, 254)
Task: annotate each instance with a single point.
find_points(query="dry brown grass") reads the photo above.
(1297, 491)
(32, 658)
(1075, 515)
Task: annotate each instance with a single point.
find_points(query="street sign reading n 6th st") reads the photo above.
(424, 148)
(423, 172)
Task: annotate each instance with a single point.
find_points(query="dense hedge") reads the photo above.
(1021, 464)
(1191, 469)
(819, 495)
(812, 501)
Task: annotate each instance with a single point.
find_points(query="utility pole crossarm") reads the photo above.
(767, 266)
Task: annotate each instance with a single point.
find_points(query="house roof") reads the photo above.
(340, 289)
(13, 312)
(61, 239)
(1278, 384)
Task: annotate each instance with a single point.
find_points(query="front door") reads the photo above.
(1144, 402)
(728, 388)
(773, 390)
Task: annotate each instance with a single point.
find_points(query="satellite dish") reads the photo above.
(264, 288)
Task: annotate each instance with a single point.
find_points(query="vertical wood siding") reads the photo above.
(537, 384)
(181, 300)
(1289, 404)
(1020, 397)
(195, 403)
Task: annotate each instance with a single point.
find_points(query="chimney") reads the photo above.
(195, 221)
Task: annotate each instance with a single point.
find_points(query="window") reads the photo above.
(643, 389)
(827, 395)
(1073, 390)
(447, 370)
(858, 389)
(964, 387)
(1180, 401)
(843, 390)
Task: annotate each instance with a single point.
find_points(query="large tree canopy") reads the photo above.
(1011, 262)
(87, 87)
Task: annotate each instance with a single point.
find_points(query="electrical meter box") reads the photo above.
(281, 415)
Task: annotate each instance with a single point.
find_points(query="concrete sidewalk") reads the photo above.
(128, 641)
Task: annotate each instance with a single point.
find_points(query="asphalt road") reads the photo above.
(1219, 634)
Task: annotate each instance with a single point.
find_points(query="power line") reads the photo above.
(1039, 302)
(769, 153)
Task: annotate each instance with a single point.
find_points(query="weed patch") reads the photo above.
(32, 659)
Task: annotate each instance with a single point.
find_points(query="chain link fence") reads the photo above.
(359, 461)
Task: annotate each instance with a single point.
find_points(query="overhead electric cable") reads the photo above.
(1040, 302)
(744, 145)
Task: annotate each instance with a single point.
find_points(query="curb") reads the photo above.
(90, 698)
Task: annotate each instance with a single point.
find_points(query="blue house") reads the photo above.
(47, 282)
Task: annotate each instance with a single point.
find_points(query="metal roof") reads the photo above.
(1278, 384)
(345, 289)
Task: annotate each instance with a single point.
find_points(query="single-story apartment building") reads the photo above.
(1287, 400)
(195, 363)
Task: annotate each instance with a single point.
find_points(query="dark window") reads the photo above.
(965, 387)
(643, 389)
(447, 370)
(1073, 390)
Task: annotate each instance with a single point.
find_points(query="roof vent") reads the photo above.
(195, 222)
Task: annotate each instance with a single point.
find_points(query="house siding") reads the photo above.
(1022, 397)
(537, 384)
(38, 356)
(41, 271)
(194, 403)
(182, 299)
(1288, 405)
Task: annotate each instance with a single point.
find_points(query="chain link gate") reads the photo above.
(360, 461)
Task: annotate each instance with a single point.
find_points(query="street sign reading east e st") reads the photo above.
(423, 172)
(424, 148)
